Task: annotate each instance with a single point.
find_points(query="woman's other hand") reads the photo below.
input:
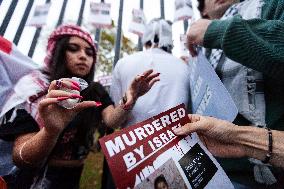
(140, 86)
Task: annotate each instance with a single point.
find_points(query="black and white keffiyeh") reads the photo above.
(216, 54)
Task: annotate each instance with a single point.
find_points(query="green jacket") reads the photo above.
(257, 44)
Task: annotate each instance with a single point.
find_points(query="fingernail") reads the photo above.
(75, 83)
(98, 103)
(62, 98)
(176, 130)
(76, 96)
(75, 87)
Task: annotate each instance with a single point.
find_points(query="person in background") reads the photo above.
(246, 35)
(173, 87)
(51, 149)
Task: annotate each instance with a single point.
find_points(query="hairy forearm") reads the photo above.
(33, 149)
(115, 117)
(255, 143)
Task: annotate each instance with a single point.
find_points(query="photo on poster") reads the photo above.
(166, 175)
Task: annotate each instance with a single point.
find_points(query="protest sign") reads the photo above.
(183, 48)
(137, 24)
(183, 10)
(105, 80)
(140, 154)
(39, 17)
(208, 94)
(100, 15)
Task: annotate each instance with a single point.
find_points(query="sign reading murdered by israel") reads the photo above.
(139, 154)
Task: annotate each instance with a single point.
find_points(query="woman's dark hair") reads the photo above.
(58, 67)
(160, 179)
(90, 118)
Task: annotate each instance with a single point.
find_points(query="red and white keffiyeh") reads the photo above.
(20, 79)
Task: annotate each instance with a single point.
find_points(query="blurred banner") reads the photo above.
(183, 10)
(39, 17)
(137, 25)
(208, 94)
(100, 15)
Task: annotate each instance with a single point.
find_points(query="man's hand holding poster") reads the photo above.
(148, 152)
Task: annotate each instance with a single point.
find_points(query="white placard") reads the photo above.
(100, 15)
(208, 94)
(39, 17)
(183, 49)
(137, 25)
(183, 10)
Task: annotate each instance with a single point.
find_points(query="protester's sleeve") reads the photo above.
(23, 123)
(255, 43)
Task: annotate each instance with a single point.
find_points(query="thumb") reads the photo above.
(187, 129)
(85, 104)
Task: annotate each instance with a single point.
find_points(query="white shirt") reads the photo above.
(172, 89)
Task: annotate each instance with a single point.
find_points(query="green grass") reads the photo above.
(92, 173)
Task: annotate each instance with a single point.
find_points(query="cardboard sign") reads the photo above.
(147, 151)
(208, 94)
(137, 25)
(39, 17)
(100, 15)
(183, 10)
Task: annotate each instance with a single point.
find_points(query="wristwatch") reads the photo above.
(122, 103)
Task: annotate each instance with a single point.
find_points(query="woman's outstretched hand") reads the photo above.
(140, 86)
(54, 117)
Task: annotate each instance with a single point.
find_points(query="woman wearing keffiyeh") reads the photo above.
(53, 141)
